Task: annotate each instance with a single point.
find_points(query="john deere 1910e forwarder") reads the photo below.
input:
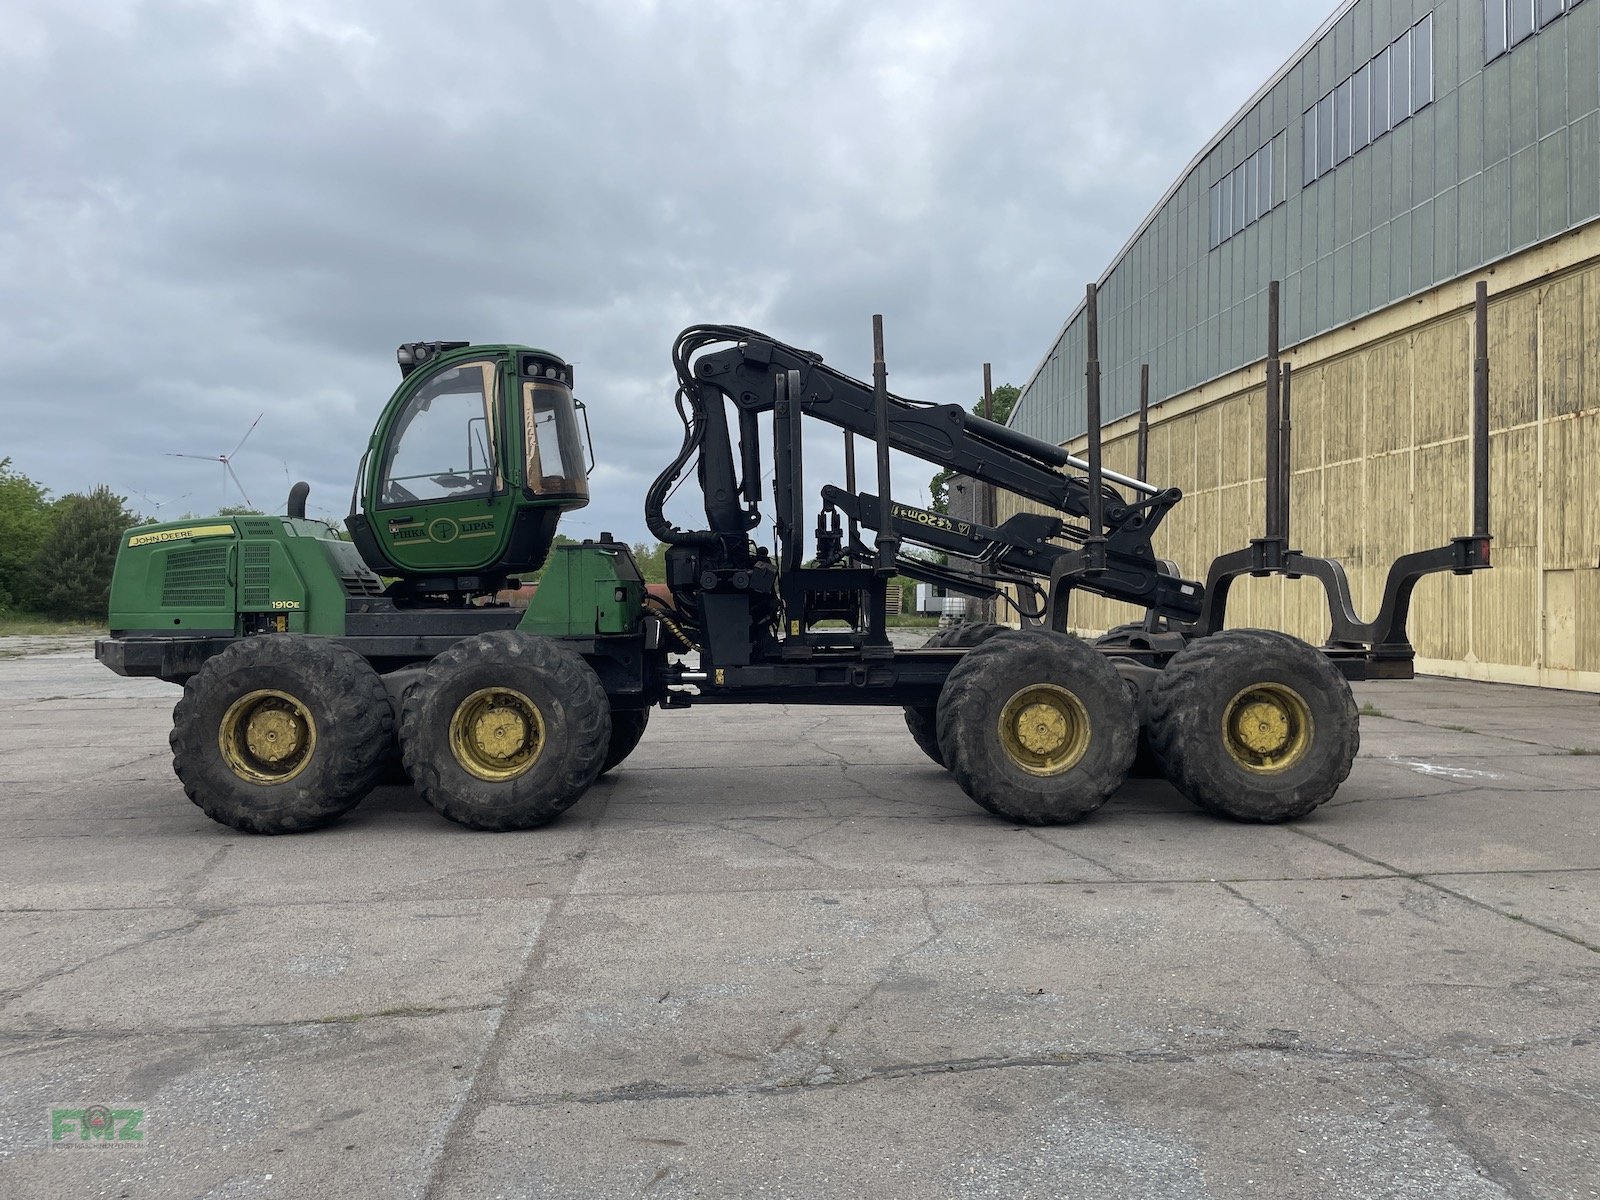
(306, 660)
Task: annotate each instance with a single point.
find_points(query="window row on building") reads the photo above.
(1384, 92)
(1251, 190)
(1507, 22)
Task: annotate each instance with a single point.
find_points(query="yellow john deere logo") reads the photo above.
(178, 535)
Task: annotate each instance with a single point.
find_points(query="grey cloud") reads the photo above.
(211, 210)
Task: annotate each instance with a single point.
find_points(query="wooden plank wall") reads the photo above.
(1380, 458)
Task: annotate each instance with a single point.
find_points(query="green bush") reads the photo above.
(71, 575)
(25, 520)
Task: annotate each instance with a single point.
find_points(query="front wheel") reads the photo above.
(505, 730)
(281, 733)
(1255, 725)
(1036, 727)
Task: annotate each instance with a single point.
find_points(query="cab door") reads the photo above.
(441, 502)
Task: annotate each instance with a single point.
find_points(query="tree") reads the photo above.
(1005, 399)
(652, 561)
(72, 570)
(25, 520)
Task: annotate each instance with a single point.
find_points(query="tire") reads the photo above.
(1087, 719)
(1146, 763)
(627, 727)
(396, 683)
(923, 722)
(281, 733)
(1308, 729)
(505, 730)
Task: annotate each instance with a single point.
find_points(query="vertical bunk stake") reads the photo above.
(986, 504)
(1091, 373)
(850, 479)
(1142, 471)
(1286, 452)
(1274, 444)
(888, 544)
(1480, 411)
(789, 479)
(986, 492)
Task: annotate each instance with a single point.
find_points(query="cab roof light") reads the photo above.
(412, 355)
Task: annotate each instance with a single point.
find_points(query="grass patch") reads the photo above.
(1369, 709)
(1582, 750)
(1460, 728)
(27, 625)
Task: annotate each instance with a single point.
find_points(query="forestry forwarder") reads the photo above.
(306, 660)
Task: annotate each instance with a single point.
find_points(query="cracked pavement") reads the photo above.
(778, 953)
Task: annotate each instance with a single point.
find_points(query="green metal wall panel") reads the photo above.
(1446, 234)
(1469, 143)
(1438, 195)
(1550, 51)
(1524, 95)
(1525, 197)
(1553, 184)
(1583, 164)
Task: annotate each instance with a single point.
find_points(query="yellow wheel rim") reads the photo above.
(1267, 728)
(1044, 729)
(267, 737)
(496, 734)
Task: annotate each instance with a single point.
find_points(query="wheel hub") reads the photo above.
(501, 732)
(267, 737)
(496, 734)
(273, 735)
(1267, 727)
(1044, 729)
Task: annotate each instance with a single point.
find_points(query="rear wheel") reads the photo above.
(1254, 724)
(923, 722)
(627, 728)
(505, 730)
(1036, 727)
(281, 733)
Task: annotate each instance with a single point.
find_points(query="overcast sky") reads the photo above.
(213, 209)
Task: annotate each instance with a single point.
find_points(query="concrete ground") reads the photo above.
(780, 954)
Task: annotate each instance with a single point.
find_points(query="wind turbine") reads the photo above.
(227, 463)
(156, 504)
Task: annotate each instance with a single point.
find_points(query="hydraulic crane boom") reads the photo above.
(758, 375)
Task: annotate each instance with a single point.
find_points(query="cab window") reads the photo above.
(441, 446)
(555, 456)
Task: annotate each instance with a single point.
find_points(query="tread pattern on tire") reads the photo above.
(923, 722)
(354, 728)
(532, 799)
(1147, 763)
(968, 737)
(1184, 711)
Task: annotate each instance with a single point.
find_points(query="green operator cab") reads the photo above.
(470, 467)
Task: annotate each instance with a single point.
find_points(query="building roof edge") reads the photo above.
(1260, 93)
